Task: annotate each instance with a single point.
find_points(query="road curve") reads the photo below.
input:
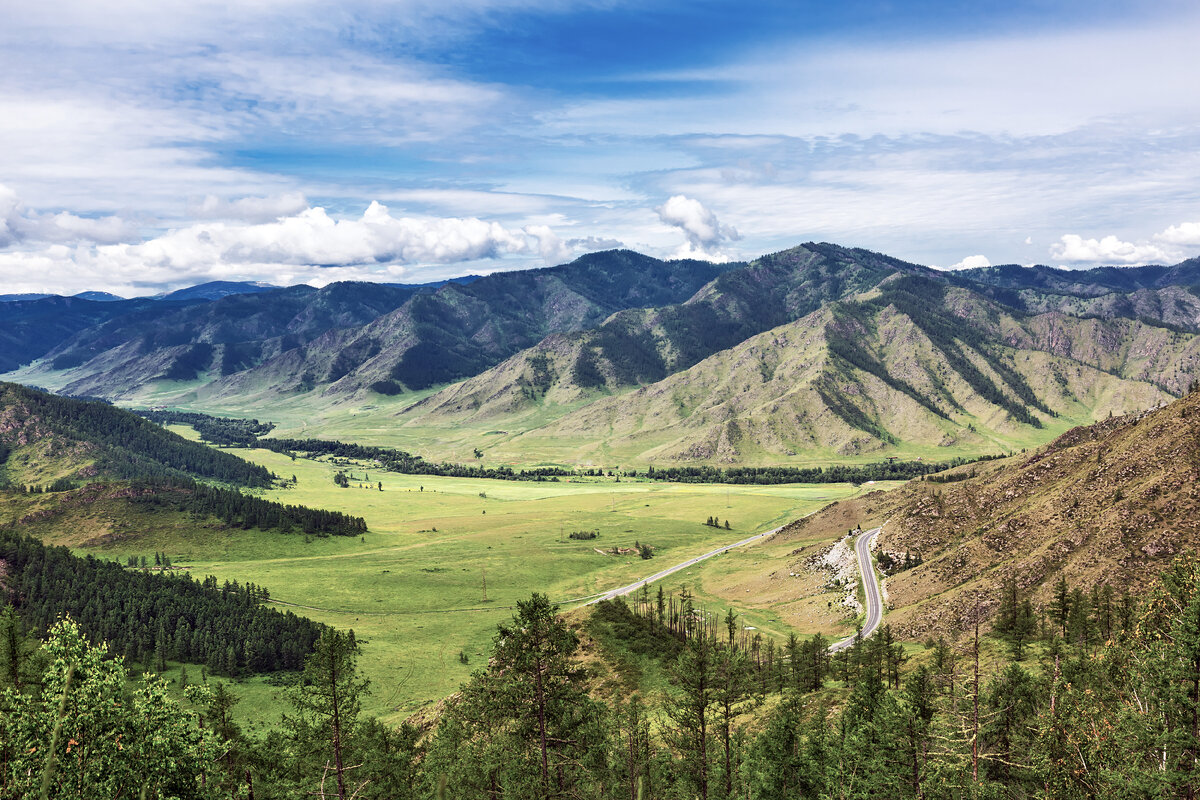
(870, 588)
(624, 590)
(862, 547)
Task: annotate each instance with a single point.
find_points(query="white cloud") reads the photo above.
(1074, 249)
(300, 246)
(1185, 234)
(972, 262)
(552, 249)
(249, 209)
(18, 224)
(705, 233)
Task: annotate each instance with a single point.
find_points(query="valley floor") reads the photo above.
(446, 559)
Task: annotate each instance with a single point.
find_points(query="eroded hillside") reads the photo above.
(1111, 503)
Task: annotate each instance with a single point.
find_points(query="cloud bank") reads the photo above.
(78, 253)
(1172, 245)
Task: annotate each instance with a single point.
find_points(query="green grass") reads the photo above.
(413, 587)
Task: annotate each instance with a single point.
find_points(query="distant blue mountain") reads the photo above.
(215, 290)
(99, 297)
(13, 298)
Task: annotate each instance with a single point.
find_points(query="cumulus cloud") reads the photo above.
(249, 209)
(20, 224)
(972, 262)
(1185, 234)
(1074, 249)
(300, 245)
(705, 233)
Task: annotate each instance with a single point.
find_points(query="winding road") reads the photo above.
(862, 548)
(870, 587)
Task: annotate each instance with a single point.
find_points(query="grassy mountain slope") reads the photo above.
(1112, 503)
(641, 346)
(915, 365)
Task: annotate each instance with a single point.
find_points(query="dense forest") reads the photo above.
(149, 617)
(1093, 696)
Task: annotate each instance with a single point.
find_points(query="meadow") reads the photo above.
(446, 559)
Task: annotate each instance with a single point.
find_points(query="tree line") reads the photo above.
(149, 617)
(405, 463)
(838, 473)
(221, 431)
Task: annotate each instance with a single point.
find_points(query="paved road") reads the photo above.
(862, 548)
(624, 590)
(870, 587)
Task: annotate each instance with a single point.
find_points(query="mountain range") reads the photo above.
(819, 351)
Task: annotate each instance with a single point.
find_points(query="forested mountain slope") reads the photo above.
(358, 334)
(44, 437)
(62, 460)
(227, 335)
(1086, 282)
(31, 328)
(462, 330)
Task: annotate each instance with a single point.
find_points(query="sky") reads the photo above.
(148, 145)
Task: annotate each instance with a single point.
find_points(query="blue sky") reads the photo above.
(149, 145)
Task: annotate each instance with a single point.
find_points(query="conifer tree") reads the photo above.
(689, 712)
(327, 701)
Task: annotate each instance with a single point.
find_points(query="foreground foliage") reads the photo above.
(1108, 709)
(81, 733)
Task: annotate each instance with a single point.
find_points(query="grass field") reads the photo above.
(413, 588)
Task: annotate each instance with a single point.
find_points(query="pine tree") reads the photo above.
(731, 697)
(327, 701)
